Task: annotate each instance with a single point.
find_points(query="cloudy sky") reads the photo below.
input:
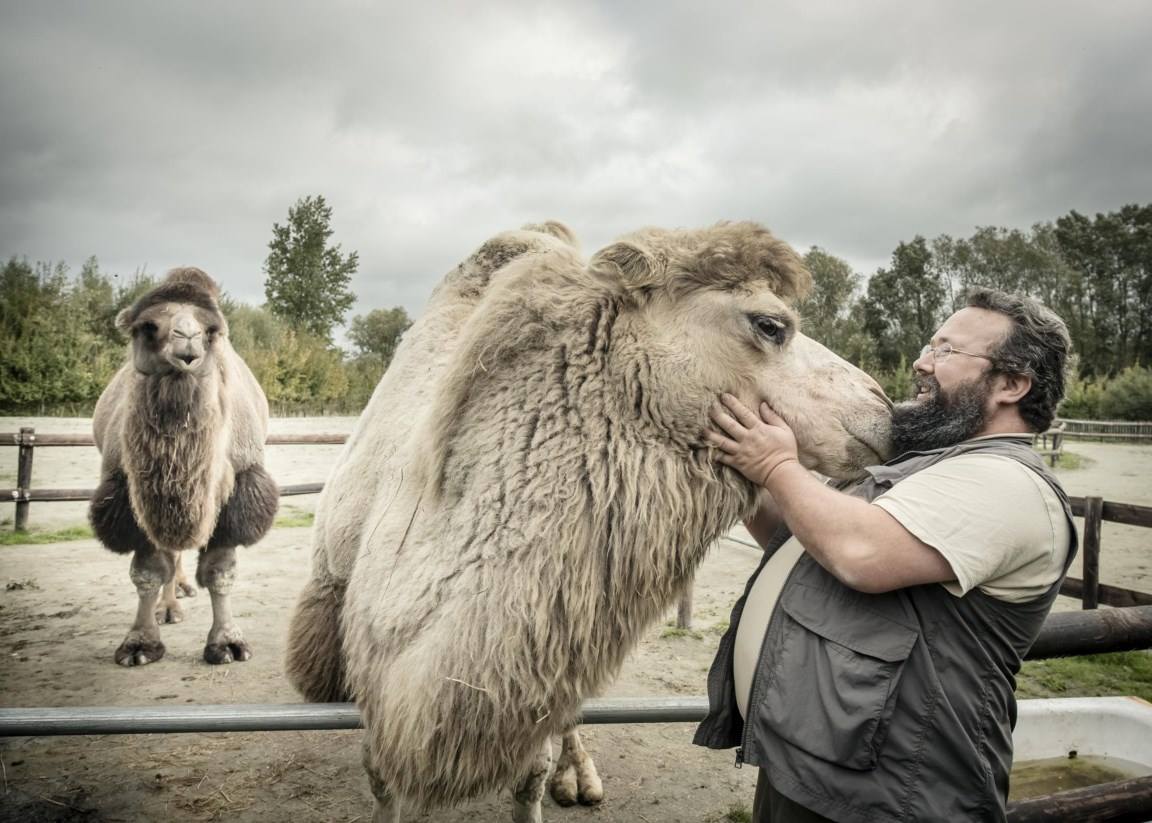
(160, 134)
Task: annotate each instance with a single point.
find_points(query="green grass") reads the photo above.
(737, 813)
(1094, 675)
(672, 631)
(33, 538)
(294, 519)
(1071, 460)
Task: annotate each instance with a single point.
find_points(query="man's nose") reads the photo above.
(925, 363)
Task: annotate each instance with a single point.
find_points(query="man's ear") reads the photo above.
(1013, 387)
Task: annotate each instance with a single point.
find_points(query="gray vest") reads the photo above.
(884, 707)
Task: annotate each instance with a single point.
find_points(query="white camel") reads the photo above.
(529, 489)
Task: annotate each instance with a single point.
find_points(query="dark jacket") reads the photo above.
(885, 707)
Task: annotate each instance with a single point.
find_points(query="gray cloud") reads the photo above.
(153, 135)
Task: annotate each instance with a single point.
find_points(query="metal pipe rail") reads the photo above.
(1063, 634)
(285, 717)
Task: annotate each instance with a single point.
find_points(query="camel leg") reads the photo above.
(575, 777)
(169, 610)
(151, 569)
(387, 806)
(183, 587)
(216, 571)
(528, 793)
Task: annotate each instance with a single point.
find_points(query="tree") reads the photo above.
(307, 278)
(904, 304)
(378, 332)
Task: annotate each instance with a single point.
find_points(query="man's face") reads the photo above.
(952, 395)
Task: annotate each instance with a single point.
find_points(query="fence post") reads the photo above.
(24, 477)
(1093, 515)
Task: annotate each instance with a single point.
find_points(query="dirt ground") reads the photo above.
(64, 608)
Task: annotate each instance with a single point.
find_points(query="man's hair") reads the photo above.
(1037, 346)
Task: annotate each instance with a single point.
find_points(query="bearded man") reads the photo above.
(869, 668)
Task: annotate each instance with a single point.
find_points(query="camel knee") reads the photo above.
(387, 805)
(216, 570)
(151, 569)
(529, 791)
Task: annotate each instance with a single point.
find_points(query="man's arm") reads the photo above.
(765, 521)
(862, 545)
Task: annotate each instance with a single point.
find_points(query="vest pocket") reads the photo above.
(833, 675)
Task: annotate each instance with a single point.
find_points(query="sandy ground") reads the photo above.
(65, 607)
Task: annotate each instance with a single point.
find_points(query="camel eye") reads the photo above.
(148, 328)
(769, 328)
(213, 331)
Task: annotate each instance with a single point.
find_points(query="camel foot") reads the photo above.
(563, 787)
(137, 650)
(169, 613)
(236, 650)
(185, 589)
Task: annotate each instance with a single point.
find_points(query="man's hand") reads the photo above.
(753, 445)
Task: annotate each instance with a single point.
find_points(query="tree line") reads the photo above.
(59, 346)
(1095, 272)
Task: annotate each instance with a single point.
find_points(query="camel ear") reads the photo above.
(633, 263)
(124, 320)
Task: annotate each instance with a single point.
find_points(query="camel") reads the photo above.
(181, 430)
(529, 489)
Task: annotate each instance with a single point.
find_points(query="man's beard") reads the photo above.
(940, 420)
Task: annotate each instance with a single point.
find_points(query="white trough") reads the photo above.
(1117, 730)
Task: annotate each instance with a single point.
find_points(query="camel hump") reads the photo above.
(554, 228)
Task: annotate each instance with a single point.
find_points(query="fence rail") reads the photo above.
(1107, 429)
(1094, 510)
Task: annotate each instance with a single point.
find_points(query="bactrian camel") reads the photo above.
(181, 432)
(529, 489)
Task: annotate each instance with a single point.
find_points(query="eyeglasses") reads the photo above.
(944, 350)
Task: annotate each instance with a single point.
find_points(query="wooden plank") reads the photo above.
(1108, 595)
(24, 476)
(1120, 800)
(1098, 631)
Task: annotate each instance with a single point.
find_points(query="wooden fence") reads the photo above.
(1107, 429)
(1094, 510)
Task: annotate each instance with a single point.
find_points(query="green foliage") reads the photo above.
(1082, 399)
(378, 332)
(307, 283)
(904, 304)
(1128, 395)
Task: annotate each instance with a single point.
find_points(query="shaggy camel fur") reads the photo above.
(529, 489)
(181, 432)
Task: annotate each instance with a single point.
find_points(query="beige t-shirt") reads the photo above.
(1000, 527)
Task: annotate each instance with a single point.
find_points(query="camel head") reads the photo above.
(711, 310)
(175, 328)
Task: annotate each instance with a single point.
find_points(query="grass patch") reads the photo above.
(13, 538)
(1071, 460)
(673, 631)
(737, 813)
(294, 519)
(1093, 675)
